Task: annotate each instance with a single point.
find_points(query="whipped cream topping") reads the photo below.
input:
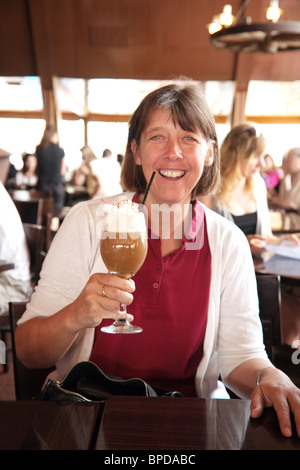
(124, 216)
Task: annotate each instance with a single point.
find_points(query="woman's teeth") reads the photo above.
(172, 173)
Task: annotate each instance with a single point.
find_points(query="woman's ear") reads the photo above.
(210, 153)
(135, 151)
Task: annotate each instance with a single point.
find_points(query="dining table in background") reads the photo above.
(287, 268)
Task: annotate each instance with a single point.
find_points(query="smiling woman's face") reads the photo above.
(177, 156)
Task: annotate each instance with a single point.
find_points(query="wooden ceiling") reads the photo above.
(141, 39)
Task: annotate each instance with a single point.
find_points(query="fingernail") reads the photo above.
(287, 432)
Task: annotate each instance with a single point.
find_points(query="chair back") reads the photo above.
(35, 211)
(35, 237)
(39, 193)
(269, 295)
(30, 211)
(28, 382)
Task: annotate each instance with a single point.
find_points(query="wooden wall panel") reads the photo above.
(142, 39)
(16, 47)
(137, 39)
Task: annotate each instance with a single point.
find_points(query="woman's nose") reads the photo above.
(174, 151)
(262, 162)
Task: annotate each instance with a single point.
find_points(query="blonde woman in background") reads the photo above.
(243, 194)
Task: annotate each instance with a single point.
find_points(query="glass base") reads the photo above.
(123, 327)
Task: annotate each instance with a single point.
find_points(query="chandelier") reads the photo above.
(239, 34)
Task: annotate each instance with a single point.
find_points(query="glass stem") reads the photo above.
(122, 315)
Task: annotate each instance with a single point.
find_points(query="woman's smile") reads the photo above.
(172, 174)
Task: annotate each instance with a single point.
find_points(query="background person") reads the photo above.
(15, 284)
(27, 177)
(107, 172)
(288, 197)
(242, 198)
(51, 167)
(272, 175)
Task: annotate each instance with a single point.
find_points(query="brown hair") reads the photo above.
(188, 108)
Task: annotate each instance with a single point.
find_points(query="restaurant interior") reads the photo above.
(84, 65)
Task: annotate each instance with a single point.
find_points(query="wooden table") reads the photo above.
(5, 265)
(188, 424)
(140, 423)
(38, 425)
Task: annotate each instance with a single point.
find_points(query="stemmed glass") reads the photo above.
(123, 248)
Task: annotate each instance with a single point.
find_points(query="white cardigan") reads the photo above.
(233, 333)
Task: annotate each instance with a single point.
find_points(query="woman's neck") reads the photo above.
(167, 221)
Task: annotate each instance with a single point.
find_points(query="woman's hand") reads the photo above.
(101, 298)
(292, 237)
(43, 340)
(276, 389)
(257, 244)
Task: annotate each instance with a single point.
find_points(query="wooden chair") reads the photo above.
(269, 293)
(30, 211)
(35, 237)
(268, 289)
(36, 210)
(39, 193)
(4, 330)
(28, 382)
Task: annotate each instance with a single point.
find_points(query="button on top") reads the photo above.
(155, 285)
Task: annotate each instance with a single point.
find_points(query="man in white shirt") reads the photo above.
(15, 283)
(108, 172)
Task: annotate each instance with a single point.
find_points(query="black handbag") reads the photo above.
(86, 382)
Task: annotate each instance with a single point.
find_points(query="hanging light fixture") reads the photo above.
(239, 34)
(226, 18)
(215, 25)
(273, 12)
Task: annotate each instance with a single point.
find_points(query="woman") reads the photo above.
(242, 198)
(272, 175)
(51, 167)
(27, 177)
(195, 296)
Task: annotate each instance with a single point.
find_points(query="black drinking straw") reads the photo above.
(148, 187)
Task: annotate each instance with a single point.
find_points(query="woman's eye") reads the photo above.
(190, 138)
